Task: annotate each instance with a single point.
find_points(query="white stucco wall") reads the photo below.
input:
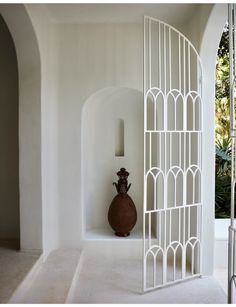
(46, 36)
(86, 58)
(90, 58)
(195, 27)
(78, 60)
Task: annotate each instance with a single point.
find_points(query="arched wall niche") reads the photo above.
(208, 51)
(29, 67)
(101, 116)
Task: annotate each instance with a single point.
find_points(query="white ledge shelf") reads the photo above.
(108, 234)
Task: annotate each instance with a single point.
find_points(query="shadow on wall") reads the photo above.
(112, 137)
(9, 155)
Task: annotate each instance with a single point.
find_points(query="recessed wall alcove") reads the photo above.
(112, 137)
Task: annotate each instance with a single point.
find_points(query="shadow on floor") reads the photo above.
(14, 266)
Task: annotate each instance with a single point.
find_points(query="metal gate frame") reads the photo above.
(232, 228)
(167, 227)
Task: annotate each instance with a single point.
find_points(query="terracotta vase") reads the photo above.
(122, 214)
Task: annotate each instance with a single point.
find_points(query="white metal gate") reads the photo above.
(172, 211)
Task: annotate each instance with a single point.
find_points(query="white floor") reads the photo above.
(14, 266)
(95, 277)
(102, 280)
(51, 281)
(221, 275)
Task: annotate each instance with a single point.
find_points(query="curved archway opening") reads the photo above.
(222, 157)
(100, 137)
(23, 34)
(9, 153)
(222, 129)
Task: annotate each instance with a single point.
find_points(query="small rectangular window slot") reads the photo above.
(119, 138)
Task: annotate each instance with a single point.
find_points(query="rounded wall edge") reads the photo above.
(208, 52)
(29, 67)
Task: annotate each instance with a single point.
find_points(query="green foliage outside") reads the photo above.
(222, 137)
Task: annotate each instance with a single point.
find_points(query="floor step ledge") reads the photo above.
(24, 286)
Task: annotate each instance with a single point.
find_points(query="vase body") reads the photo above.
(122, 214)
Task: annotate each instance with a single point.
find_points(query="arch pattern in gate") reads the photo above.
(172, 207)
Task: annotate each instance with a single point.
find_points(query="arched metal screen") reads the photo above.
(172, 157)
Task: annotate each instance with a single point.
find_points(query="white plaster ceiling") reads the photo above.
(119, 13)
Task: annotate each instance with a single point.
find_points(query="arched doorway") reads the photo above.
(29, 68)
(9, 153)
(223, 159)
